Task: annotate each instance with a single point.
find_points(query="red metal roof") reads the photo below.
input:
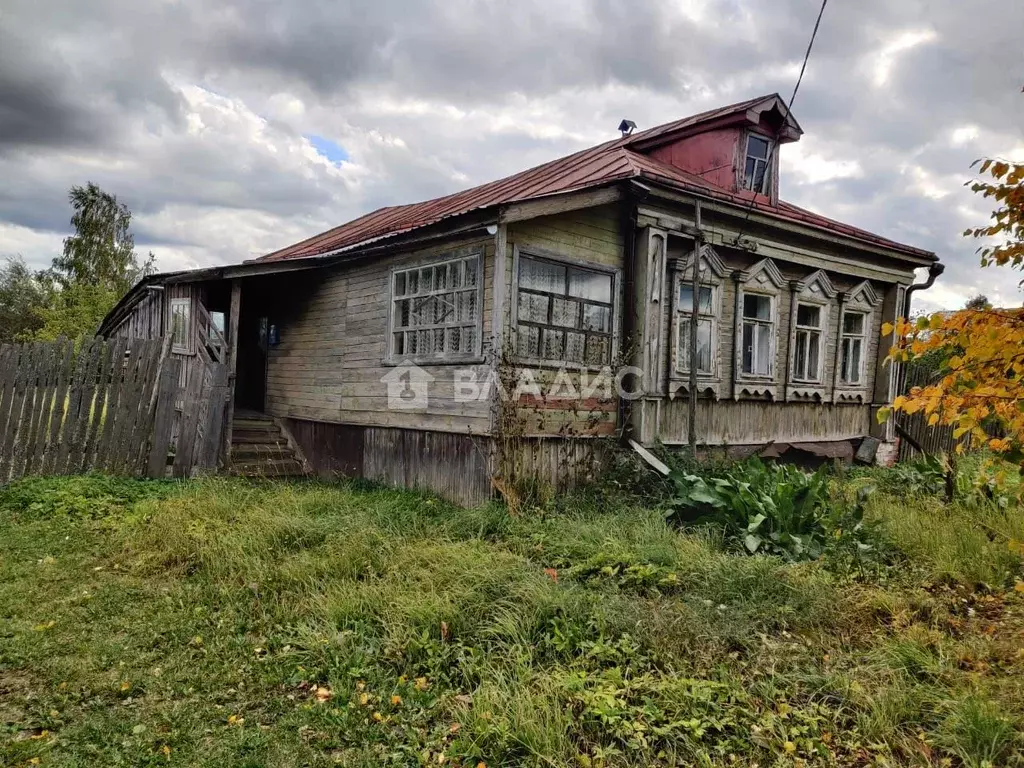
(599, 165)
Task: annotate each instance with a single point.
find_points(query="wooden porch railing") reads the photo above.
(210, 342)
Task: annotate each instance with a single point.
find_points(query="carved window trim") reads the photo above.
(815, 290)
(712, 275)
(864, 300)
(762, 279)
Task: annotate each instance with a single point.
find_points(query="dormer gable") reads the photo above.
(732, 147)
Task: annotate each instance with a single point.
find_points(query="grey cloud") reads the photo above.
(95, 81)
(38, 106)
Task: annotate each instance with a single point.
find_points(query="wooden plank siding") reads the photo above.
(332, 353)
(145, 321)
(751, 422)
(454, 466)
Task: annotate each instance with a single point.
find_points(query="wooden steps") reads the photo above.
(260, 449)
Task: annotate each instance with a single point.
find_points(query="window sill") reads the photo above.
(682, 379)
(747, 388)
(812, 393)
(851, 395)
(433, 361)
(706, 385)
(182, 351)
(525, 362)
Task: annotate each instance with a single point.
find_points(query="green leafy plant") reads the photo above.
(924, 476)
(767, 508)
(80, 496)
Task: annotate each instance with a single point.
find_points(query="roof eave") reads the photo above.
(898, 251)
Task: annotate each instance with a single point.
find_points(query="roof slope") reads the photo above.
(594, 167)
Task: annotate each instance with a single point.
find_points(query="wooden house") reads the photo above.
(507, 302)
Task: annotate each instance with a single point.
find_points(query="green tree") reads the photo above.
(97, 266)
(22, 299)
(978, 303)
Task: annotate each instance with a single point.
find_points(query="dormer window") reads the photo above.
(756, 172)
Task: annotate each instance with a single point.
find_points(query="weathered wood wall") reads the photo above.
(332, 353)
(455, 466)
(146, 320)
(150, 319)
(750, 422)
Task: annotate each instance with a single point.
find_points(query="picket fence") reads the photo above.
(917, 437)
(107, 405)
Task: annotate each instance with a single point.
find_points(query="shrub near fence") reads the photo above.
(102, 405)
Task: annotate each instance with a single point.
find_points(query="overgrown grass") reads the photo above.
(220, 622)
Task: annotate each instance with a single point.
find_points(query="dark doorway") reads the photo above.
(251, 369)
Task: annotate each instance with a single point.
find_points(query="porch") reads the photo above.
(222, 330)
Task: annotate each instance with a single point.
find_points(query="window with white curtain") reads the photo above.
(807, 343)
(758, 335)
(564, 312)
(435, 311)
(707, 330)
(852, 338)
(181, 326)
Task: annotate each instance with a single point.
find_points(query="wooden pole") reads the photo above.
(698, 240)
(232, 364)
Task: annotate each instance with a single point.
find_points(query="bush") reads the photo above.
(774, 509)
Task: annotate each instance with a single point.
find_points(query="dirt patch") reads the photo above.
(15, 687)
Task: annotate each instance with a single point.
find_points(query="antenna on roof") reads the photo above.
(627, 127)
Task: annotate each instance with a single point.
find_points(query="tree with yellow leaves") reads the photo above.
(979, 390)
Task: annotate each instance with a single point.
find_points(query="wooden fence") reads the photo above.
(916, 437)
(104, 405)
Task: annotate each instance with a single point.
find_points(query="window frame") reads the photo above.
(821, 329)
(772, 323)
(436, 358)
(747, 183)
(682, 326)
(539, 254)
(862, 337)
(188, 348)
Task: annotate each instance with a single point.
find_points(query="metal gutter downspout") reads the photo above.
(934, 271)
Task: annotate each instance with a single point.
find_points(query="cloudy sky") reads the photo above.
(236, 127)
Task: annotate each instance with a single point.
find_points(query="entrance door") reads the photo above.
(251, 370)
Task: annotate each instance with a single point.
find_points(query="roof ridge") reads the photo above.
(696, 119)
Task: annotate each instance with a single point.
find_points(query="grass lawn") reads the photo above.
(225, 623)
